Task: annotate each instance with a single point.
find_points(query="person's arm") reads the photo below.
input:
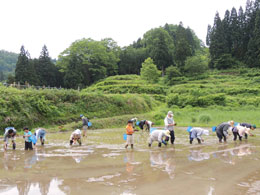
(248, 131)
(225, 130)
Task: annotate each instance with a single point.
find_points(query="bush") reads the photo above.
(205, 118)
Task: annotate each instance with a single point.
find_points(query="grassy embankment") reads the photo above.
(218, 97)
(36, 108)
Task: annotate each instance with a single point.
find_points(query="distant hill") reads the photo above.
(7, 61)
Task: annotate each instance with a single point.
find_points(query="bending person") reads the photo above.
(158, 135)
(197, 132)
(10, 133)
(222, 130)
(75, 137)
(40, 133)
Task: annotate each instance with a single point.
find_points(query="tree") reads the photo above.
(45, 69)
(24, 71)
(149, 71)
(182, 47)
(160, 47)
(96, 59)
(196, 65)
(1, 76)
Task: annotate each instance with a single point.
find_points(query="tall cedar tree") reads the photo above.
(46, 69)
(24, 71)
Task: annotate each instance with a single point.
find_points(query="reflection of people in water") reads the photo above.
(230, 155)
(23, 187)
(197, 155)
(30, 159)
(129, 160)
(163, 160)
(8, 163)
(77, 159)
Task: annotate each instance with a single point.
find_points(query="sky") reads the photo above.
(58, 23)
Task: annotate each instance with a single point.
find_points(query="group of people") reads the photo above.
(161, 136)
(29, 138)
(164, 136)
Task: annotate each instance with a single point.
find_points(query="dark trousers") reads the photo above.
(246, 135)
(221, 136)
(172, 137)
(236, 134)
(191, 139)
(28, 146)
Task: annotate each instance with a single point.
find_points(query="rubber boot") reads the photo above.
(132, 146)
(149, 145)
(190, 141)
(199, 141)
(126, 146)
(71, 142)
(160, 144)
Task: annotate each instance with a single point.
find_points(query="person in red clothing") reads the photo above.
(130, 134)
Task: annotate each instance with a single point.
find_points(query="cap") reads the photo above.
(254, 126)
(130, 121)
(170, 112)
(81, 115)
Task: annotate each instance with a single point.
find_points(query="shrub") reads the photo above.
(205, 118)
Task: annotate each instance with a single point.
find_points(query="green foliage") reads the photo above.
(7, 62)
(149, 71)
(172, 74)
(40, 107)
(196, 65)
(204, 118)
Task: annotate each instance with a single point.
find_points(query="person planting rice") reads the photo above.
(248, 125)
(130, 134)
(169, 124)
(222, 130)
(197, 132)
(84, 124)
(27, 139)
(145, 123)
(40, 133)
(240, 131)
(10, 133)
(159, 135)
(75, 137)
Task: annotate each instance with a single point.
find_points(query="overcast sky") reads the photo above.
(58, 23)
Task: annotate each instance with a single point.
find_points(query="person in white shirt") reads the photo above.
(169, 124)
(158, 135)
(75, 137)
(196, 133)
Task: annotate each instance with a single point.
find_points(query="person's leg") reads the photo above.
(79, 141)
(26, 147)
(30, 145)
(191, 139)
(219, 137)
(235, 136)
(225, 138)
(172, 137)
(132, 141)
(159, 144)
(246, 135)
(71, 142)
(240, 137)
(199, 141)
(14, 144)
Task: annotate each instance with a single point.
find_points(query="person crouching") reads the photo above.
(196, 133)
(75, 137)
(159, 135)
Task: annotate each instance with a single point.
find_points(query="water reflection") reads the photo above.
(198, 155)
(163, 160)
(229, 155)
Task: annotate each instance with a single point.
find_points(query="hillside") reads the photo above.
(7, 62)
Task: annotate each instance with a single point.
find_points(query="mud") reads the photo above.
(102, 166)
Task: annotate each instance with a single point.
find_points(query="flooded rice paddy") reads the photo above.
(102, 166)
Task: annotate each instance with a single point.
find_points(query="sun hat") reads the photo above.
(171, 113)
(206, 132)
(81, 115)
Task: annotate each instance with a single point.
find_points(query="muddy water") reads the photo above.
(102, 166)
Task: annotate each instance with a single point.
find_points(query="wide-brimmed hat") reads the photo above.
(167, 133)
